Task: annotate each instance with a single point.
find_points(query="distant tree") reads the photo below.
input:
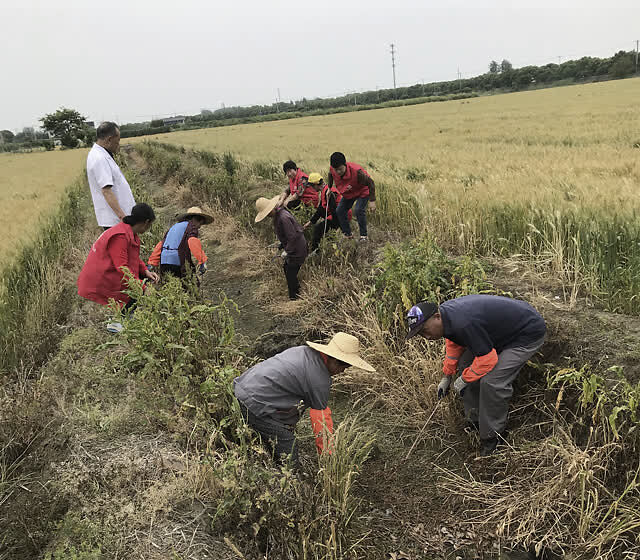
(506, 66)
(68, 125)
(494, 67)
(623, 65)
(156, 123)
(7, 135)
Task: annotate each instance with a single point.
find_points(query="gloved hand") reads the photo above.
(443, 386)
(283, 254)
(202, 268)
(460, 385)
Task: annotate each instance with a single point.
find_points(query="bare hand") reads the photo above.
(305, 226)
(372, 206)
(153, 276)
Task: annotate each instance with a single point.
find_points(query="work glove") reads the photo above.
(202, 268)
(460, 385)
(443, 386)
(283, 254)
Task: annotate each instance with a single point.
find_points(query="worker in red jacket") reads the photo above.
(181, 245)
(102, 278)
(487, 341)
(298, 190)
(356, 188)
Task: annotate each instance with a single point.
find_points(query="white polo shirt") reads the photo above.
(102, 170)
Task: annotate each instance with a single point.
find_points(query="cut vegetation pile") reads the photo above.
(133, 447)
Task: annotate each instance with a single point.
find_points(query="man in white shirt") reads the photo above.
(111, 194)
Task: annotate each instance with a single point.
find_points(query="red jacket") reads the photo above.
(101, 278)
(309, 196)
(350, 179)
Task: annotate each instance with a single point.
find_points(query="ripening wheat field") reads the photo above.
(30, 188)
(550, 175)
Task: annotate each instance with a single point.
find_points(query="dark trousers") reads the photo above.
(360, 211)
(278, 438)
(291, 274)
(320, 229)
(172, 269)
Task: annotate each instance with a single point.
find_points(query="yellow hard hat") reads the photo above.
(315, 179)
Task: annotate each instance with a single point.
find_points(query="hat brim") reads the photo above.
(415, 330)
(272, 204)
(206, 217)
(355, 361)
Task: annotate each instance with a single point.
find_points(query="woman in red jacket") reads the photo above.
(102, 278)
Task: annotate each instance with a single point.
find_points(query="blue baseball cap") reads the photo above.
(418, 315)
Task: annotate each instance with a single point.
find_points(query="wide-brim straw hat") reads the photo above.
(195, 211)
(343, 347)
(264, 206)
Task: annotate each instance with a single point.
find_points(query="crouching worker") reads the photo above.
(181, 245)
(102, 278)
(274, 394)
(291, 236)
(325, 217)
(487, 341)
(298, 190)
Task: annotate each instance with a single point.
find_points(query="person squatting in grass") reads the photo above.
(102, 278)
(355, 186)
(291, 236)
(487, 341)
(110, 191)
(274, 394)
(181, 245)
(298, 190)
(325, 214)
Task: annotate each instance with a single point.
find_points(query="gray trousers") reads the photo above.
(278, 438)
(486, 401)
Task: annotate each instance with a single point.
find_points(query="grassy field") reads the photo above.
(551, 175)
(30, 188)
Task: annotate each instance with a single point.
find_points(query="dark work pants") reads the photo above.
(173, 269)
(291, 274)
(320, 229)
(278, 438)
(360, 211)
(486, 401)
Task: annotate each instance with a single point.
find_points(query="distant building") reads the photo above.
(173, 120)
(90, 124)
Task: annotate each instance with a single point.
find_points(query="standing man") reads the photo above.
(325, 217)
(487, 341)
(355, 186)
(274, 394)
(298, 189)
(291, 236)
(111, 194)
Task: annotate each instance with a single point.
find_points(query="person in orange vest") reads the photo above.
(274, 394)
(102, 278)
(325, 217)
(181, 245)
(356, 188)
(298, 190)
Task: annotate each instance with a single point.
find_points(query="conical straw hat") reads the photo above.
(195, 211)
(343, 347)
(264, 206)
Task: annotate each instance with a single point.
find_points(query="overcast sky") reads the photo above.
(131, 60)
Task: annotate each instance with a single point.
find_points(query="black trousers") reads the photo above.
(320, 229)
(173, 269)
(291, 274)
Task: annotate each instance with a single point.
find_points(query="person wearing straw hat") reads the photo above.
(274, 394)
(487, 341)
(291, 236)
(181, 245)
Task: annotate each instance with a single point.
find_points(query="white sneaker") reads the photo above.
(364, 238)
(115, 327)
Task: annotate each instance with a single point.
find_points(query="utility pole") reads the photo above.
(637, 45)
(278, 102)
(559, 60)
(393, 64)
(459, 80)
